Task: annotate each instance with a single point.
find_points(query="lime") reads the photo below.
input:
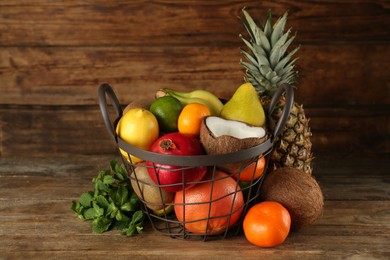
(167, 110)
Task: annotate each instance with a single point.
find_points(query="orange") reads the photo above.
(191, 117)
(267, 224)
(252, 172)
(210, 208)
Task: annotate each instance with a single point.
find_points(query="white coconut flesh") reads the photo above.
(220, 127)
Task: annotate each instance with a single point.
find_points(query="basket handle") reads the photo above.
(103, 90)
(288, 89)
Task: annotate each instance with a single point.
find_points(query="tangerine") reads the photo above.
(267, 224)
(210, 207)
(251, 172)
(191, 117)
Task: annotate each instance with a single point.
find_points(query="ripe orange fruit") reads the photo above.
(210, 208)
(190, 118)
(267, 224)
(252, 171)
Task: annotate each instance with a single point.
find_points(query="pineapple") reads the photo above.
(268, 64)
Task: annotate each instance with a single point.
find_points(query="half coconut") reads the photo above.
(219, 136)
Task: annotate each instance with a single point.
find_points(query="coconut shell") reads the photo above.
(225, 144)
(298, 192)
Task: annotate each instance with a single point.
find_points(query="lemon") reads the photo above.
(167, 110)
(138, 127)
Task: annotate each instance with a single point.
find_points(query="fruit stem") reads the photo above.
(176, 94)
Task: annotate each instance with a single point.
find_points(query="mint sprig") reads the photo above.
(112, 204)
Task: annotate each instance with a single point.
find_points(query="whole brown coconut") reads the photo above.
(298, 192)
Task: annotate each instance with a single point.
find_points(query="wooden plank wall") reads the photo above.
(54, 55)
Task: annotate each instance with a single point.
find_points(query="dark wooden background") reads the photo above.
(55, 54)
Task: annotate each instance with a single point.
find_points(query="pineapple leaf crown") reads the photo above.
(268, 63)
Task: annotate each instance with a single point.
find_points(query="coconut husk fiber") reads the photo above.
(298, 192)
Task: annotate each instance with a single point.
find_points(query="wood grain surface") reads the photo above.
(37, 222)
(172, 22)
(55, 54)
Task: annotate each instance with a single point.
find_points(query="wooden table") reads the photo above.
(36, 220)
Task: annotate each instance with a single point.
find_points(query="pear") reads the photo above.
(244, 106)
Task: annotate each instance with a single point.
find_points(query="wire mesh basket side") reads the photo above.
(165, 221)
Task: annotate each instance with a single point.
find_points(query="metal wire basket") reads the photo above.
(162, 218)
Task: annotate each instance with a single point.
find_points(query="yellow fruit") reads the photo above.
(138, 127)
(162, 212)
(245, 106)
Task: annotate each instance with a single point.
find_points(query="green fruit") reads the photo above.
(167, 110)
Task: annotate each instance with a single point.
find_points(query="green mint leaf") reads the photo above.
(108, 180)
(125, 195)
(76, 206)
(113, 164)
(112, 196)
(116, 168)
(86, 199)
(118, 174)
(100, 176)
(118, 216)
(112, 203)
(122, 224)
(78, 209)
(129, 231)
(134, 199)
(102, 186)
(102, 201)
(127, 207)
(123, 172)
(139, 228)
(135, 225)
(112, 210)
(121, 195)
(101, 224)
(89, 214)
(138, 217)
(98, 210)
(125, 218)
